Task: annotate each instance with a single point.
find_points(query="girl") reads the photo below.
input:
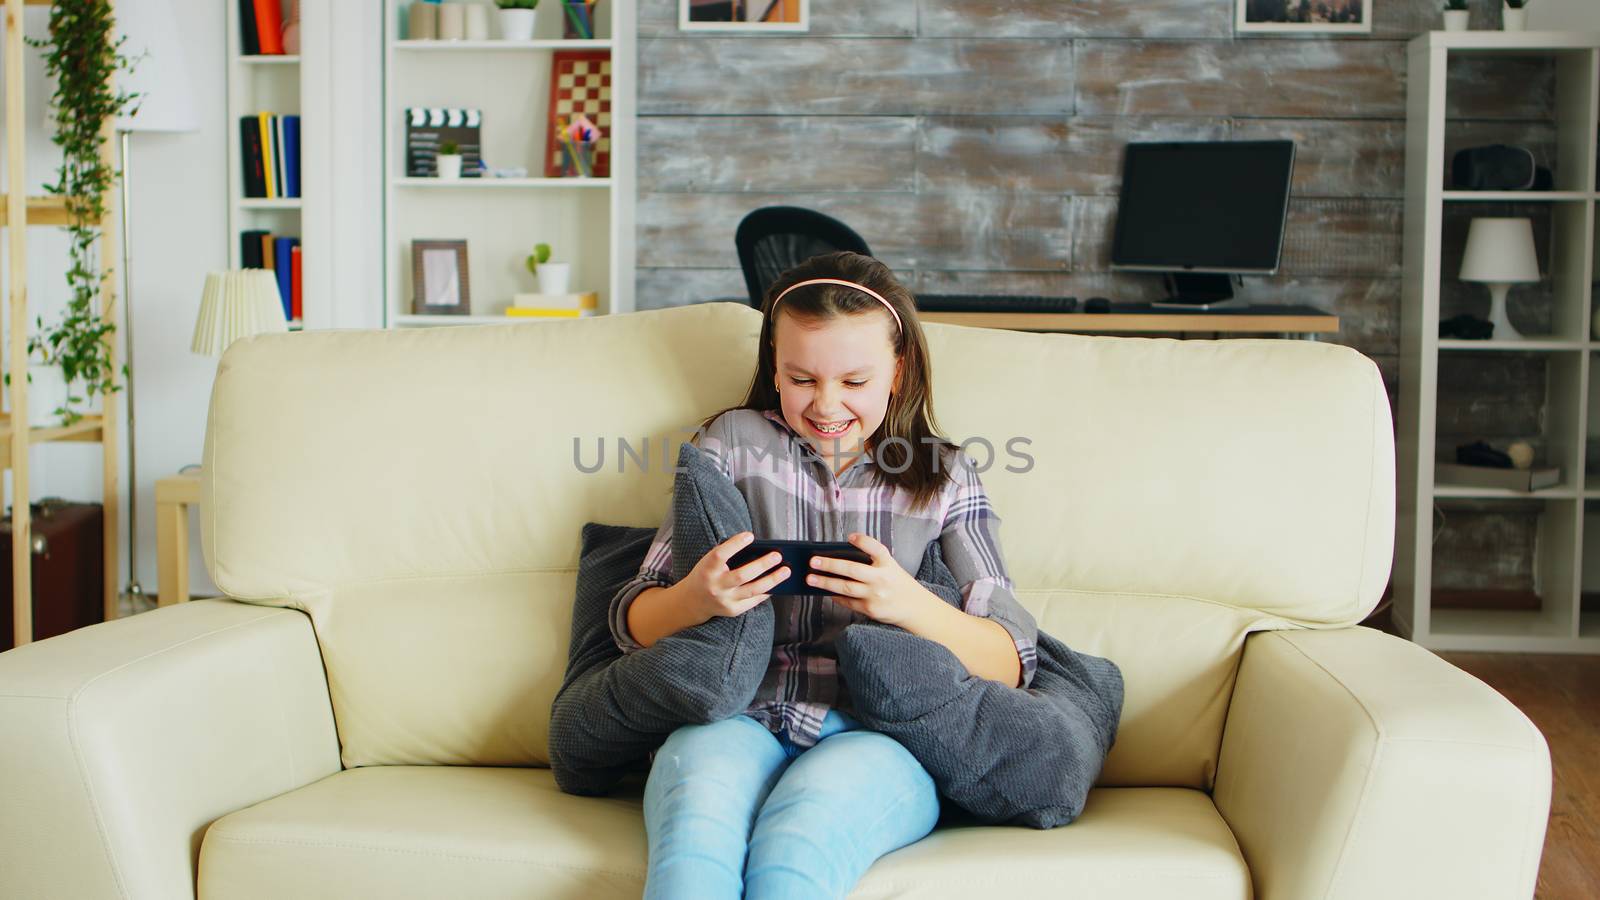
(834, 441)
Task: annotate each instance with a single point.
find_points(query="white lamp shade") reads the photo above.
(1500, 251)
(162, 76)
(234, 305)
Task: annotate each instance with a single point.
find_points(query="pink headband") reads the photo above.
(849, 284)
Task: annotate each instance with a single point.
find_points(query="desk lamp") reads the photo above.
(1500, 253)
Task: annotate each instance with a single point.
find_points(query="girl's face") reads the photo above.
(834, 379)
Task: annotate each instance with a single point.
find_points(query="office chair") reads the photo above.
(774, 239)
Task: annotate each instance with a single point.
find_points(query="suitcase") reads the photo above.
(68, 569)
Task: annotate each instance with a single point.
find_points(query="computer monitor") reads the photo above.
(1202, 213)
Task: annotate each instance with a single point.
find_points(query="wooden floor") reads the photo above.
(1561, 694)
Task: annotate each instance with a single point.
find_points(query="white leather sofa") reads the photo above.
(396, 516)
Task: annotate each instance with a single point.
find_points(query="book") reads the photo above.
(250, 248)
(1448, 473)
(255, 173)
(535, 312)
(294, 282)
(588, 300)
(268, 151)
(269, 27)
(278, 154)
(291, 155)
(282, 247)
(249, 44)
(269, 259)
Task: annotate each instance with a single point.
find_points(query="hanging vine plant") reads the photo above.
(82, 54)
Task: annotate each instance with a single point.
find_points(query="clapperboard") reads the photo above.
(429, 126)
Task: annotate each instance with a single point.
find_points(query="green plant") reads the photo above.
(82, 54)
(449, 148)
(1516, 4)
(540, 254)
(1455, 4)
(516, 4)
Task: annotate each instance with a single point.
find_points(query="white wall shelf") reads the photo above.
(490, 184)
(588, 222)
(281, 85)
(409, 46)
(1561, 566)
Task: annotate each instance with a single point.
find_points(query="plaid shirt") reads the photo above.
(794, 494)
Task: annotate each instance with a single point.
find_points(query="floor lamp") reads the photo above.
(165, 103)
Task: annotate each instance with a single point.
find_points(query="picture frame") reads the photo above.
(744, 15)
(1305, 16)
(439, 283)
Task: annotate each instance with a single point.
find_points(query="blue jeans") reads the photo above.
(727, 814)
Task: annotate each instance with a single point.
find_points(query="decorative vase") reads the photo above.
(1456, 19)
(554, 278)
(1513, 19)
(477, 22)
(422, 21)
(452, 22)
(291, 30)
(516, 24)
(449, 166)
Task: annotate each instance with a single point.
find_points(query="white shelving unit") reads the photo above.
(588, 222)
(1572, 396)
(278, 84)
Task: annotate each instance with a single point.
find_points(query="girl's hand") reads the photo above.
(883, 590)
(715, 590)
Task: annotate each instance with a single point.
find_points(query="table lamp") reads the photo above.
(237, 304)
(1500, 253)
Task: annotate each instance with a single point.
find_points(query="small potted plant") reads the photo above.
(553, 277)
(1456, 15)
(516, 19)
(449, 160)
(1514, 16)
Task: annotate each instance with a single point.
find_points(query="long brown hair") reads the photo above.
(920, 465)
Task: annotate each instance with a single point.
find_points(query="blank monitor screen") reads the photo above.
(1203, 206)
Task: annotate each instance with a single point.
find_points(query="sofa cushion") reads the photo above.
(402, 832)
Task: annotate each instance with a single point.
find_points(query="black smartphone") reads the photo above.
(797, 556)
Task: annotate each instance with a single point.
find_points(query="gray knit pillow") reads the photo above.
(613, 709)
(1024, 756)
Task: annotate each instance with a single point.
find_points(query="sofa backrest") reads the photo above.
(419, 495)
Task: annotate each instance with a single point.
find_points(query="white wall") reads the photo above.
(179, 231)
(1564, 15)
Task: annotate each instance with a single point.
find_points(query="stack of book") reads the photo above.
(281, 254)
(1458, 475)
(554, 306)
(269, 149)
(260, 27)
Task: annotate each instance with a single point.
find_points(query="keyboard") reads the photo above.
(1006, 303)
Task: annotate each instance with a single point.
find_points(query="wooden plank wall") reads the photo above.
(976, 145)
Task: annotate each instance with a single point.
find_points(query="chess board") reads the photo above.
(580, 82)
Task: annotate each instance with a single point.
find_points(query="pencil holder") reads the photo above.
(577, 159)
(577, 17)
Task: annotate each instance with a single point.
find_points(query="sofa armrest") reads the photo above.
(120, 744)
(1357, 764)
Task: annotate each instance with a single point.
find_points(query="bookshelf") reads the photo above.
(1566, 551)
(588, 222)
(18, 213)
(276, 84)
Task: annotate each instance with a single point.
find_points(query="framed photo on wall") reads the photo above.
(439, 285)
(744, 15)
(1303, 15)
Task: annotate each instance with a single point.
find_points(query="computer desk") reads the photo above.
(1305, 322)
